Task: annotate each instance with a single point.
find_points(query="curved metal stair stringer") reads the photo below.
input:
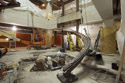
(67, 76)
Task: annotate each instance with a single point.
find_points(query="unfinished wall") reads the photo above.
(90, 15)
(108, 41)
(92, 31)
(92, 12)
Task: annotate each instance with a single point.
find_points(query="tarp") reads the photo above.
(28, 14)
(27, 5)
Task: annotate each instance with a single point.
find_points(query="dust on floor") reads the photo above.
(85, 74)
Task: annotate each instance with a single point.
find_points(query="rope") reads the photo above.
(86, 18)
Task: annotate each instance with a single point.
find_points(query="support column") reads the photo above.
(77, 22)
(62, 37)
(77, 30)
(63, 13)
(108, 23)
(77, 5)
(63, 9)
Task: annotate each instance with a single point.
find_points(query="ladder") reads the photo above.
(80, 44)
(70, 41)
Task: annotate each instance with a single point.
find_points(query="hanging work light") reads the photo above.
(49, 14)
(14, 28)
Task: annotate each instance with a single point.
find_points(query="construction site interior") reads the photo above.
(62, 41)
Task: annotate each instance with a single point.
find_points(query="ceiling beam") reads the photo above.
(67, 1)
(9, 6)
(56, 5)
(18, 31)
(20, 26)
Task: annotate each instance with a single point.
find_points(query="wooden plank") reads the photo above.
(121, 64)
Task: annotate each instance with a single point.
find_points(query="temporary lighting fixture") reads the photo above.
(7, 39)
(14, 28)
(49, 14)
(43, 5)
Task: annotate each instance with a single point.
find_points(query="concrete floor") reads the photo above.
(85, 74)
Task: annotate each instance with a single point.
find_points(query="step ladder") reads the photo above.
(80, 42)
(70, 41)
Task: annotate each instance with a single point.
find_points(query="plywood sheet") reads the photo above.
(108, 40)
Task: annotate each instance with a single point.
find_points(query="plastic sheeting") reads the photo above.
(29, 15)
(27, 5)
(71, 7)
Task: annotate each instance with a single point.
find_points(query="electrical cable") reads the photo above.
(86, 17)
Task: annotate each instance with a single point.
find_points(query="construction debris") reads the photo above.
(49, 62)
